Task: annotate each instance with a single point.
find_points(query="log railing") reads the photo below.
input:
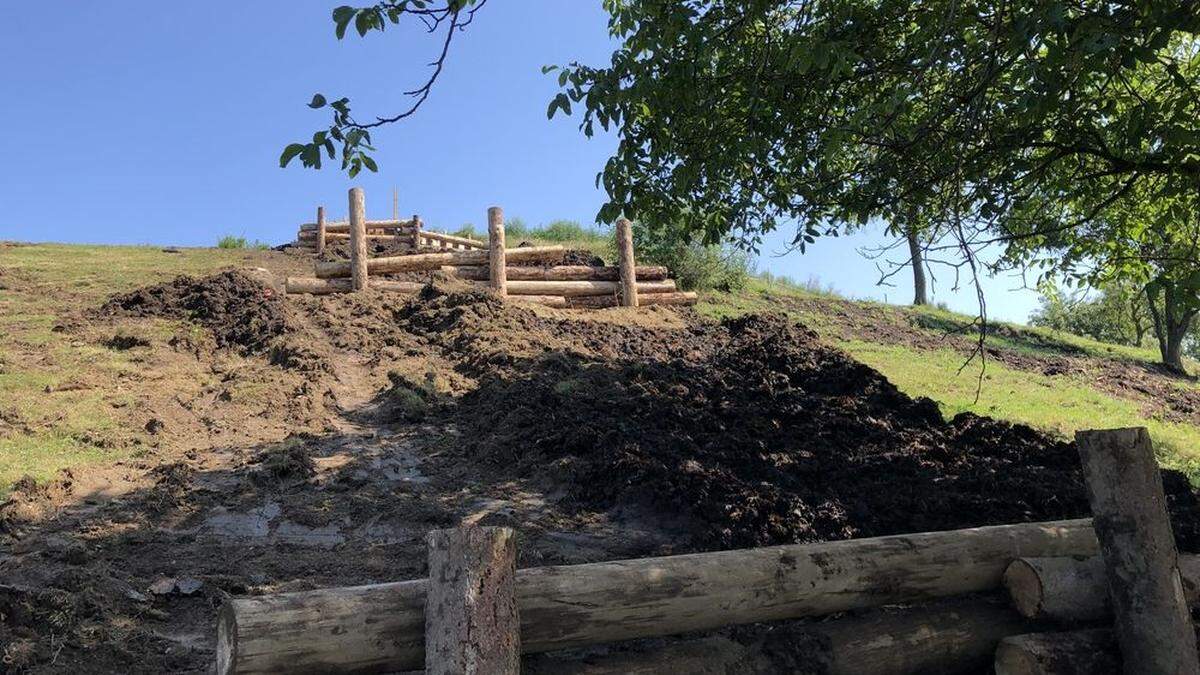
(524, 273)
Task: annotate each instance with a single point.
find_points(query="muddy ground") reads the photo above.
(324, 436)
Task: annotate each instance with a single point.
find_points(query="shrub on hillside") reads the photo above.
(694, 265)
(230, 241)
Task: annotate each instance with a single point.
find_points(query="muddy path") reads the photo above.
(324, 437)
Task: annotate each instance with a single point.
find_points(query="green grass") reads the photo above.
(46, 282)
(230, 241)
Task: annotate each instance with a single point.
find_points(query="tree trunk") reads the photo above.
(1171, 324)
(920, 296)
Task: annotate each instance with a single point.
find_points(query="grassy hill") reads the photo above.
(64, 395)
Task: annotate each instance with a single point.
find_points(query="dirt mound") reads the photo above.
(239, 309)
(770, 437)
(376, 248)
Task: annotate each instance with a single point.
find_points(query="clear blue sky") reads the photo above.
(162, 123)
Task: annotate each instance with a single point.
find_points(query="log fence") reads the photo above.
(524, 274)
(477, 614)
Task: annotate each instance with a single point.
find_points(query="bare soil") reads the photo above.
(306, 442)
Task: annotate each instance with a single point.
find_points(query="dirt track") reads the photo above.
(331, 433)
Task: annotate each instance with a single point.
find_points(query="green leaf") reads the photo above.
(341, 18)
(289, 153)
(370, 164)
(318, 101)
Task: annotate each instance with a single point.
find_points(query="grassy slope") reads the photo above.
(1060, 404)
(63, 427)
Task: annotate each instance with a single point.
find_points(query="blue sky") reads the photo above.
(162, 123)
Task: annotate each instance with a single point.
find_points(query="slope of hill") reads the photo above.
(188, 439)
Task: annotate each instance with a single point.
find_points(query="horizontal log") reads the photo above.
(344, 237)
(1083, 652)
(572, 289)
(1075, 590)
(381, 627)
(344, 226)
(312, 286)
(597, 302)
(558, 273)
(451, 239)
(547, 300)
(431, 261)
(949, 638)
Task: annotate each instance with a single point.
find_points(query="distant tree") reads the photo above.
(1118, 313)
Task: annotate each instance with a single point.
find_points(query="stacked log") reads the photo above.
(343, 226)
(557, 273)
(381, 628)
(432, 261)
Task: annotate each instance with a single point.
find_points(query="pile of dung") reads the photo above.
(754, 433)
(240, 310)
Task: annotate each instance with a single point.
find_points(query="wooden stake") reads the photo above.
(471, 625)
(416, 233)
(496, 257)
(629, 291)
(1153, 625)
(358, 239)
(320, 230)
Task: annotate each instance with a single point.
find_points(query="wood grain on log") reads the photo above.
(629, 285)
(1151, 617)
(381, 627)
(584, 288)
(497, 260)
(557, 273)
(358, 240)
(471, 625)
(1085, 652)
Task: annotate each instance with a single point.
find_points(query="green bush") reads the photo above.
(694, 265)
(563, 230)
(230, 241)
(467, 230)
(515, 228)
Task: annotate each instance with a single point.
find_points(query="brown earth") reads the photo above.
(305, 442)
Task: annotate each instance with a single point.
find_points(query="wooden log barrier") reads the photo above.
(451, 239)
(557, 273)
(1084, 652)
(584, 288)
(1075, 590)
(416, 231)
(381, 627)
(338, 236)
(321, 234)
(471, 625)
(311, 286)
(1151, 617)
(431, 261)
(358, 239)
(497, 260)
(547, 300)
(629, 287)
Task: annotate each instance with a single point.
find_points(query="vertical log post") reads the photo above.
(416, 230)
(1153, 625)
(471, 623)
(358, 239)
(320, 230)
(628, 270)
(497, 260)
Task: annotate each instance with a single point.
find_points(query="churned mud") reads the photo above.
(321, 438)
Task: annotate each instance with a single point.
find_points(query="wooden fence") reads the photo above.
(526, 273)
(477, 614)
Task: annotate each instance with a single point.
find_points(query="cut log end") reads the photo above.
(1024, 588)
(226, 640)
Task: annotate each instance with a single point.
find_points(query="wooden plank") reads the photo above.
(381, 627)
(471, 624)
(1151, 617)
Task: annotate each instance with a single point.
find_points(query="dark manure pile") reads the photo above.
(764, 435)
(240, 310)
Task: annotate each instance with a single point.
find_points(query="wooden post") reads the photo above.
(320, 230)
(358, 239)
(629, 296)
(471, 624)
(416, 241)
(496, 255)
(1153, 625)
